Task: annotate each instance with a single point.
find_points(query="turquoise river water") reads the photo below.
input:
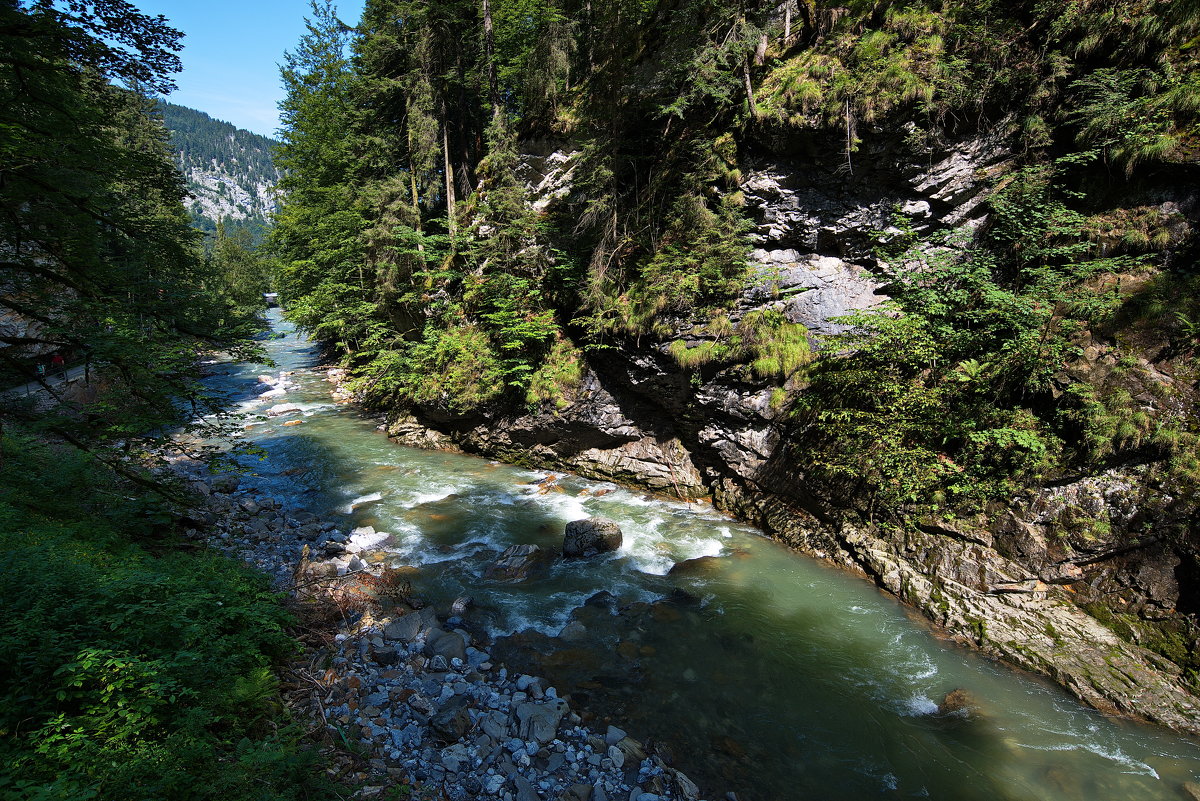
(763, 671)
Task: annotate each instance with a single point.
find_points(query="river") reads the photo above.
(765, 671)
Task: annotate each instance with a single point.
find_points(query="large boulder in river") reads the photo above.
(518, 563)
(591, 536)
(282, 408)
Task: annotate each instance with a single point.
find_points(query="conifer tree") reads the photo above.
(98, 258)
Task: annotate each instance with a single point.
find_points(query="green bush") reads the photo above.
(131, 669)
(560, 373)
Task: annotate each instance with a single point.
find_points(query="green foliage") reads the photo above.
(953, 392)
(99, 260)
(697, 264)
(127, 673)
(242, 273)
(129, 668)
(457, 368)
(930, 397)
(774, 347)
(694, 356)
(863, 75)
(700, 261)
(1120, 77)
(557, 376)
(777, 346)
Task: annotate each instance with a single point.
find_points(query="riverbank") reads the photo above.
(1009, 590)
(765, 672)
(410, 689)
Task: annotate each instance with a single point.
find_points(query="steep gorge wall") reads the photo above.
(1014, 582)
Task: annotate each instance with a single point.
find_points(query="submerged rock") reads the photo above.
(602, 600)
(700, 566)
(518, 563)
(591, 536)
(960, 702)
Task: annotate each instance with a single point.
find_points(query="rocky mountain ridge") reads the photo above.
(228, 171)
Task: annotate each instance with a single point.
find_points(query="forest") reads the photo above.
(489, 209)
(408, 239)
(132, 664)
(229, 173)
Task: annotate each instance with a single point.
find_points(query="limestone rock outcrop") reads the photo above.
(1019, 584)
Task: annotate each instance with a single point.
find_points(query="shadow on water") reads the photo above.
(761, 671)
(766, 706)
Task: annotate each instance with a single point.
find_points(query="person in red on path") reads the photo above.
(57, 363)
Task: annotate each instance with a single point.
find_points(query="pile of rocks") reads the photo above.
(431, 706)
(257, 528)
(418, 693)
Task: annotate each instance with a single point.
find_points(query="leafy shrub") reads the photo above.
(560, 373)
(127, 673)
(457, 368)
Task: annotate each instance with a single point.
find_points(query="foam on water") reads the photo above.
(429, 554)
(918, 706)
(362, 500)
(652, 552)
(499, 498)
(1135, 767)
(429, 496)
(554, 613)
(564, 506)
(402, 544)
(309, 409)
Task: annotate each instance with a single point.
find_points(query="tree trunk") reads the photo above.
(850, 136)
(489, 55)
(451, 223)
(416, 207)
(749, 89)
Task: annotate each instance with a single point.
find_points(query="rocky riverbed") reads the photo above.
(411, 689)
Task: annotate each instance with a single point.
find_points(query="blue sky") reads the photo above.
(232, 49)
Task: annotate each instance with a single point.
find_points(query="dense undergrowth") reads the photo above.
(132, 666)
(960, 389)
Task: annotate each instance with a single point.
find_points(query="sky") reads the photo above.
(231, 54)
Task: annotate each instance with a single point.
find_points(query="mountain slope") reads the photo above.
(230, 172)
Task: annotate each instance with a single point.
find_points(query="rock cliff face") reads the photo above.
(1015, 584)
(228, 171)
